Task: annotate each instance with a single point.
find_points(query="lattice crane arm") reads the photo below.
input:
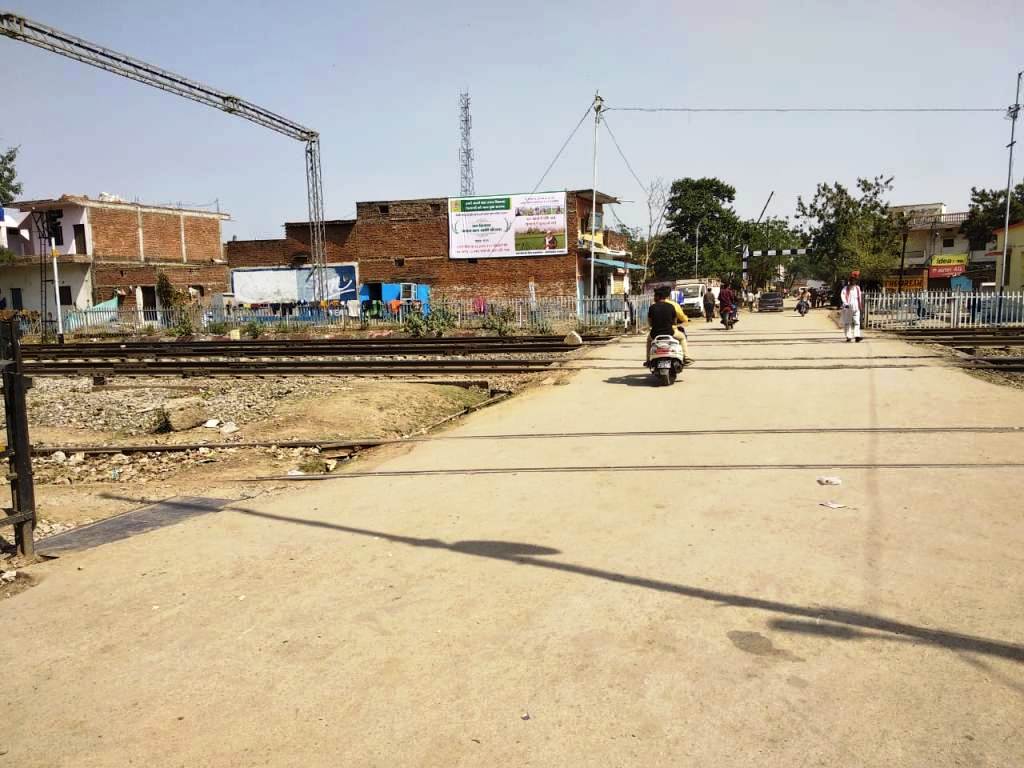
(50, 39)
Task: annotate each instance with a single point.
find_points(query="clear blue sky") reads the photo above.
(380, 81)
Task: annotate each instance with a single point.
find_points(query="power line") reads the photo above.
(564, 145)
(804, 109)
(623, 156)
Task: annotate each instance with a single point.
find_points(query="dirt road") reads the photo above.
(535, 615)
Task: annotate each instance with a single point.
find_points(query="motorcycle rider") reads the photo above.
(663, 317)
(726, 301)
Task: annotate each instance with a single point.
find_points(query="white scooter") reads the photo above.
(665, 359)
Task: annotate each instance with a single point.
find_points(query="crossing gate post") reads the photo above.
(22, 512)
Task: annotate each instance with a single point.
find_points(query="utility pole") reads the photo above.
(598, 106)
(903, 260)
(1012, 113)
(696, 248)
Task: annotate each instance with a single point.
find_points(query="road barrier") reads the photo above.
(943, 309)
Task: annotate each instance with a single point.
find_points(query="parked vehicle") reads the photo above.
(770, 302)
(665, 359)
(689, 294)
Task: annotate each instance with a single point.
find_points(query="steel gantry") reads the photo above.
(50, 39)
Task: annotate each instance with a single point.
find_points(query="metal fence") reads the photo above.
(500, 315)
(943, 309)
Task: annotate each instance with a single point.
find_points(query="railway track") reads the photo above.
(965, 342)
(353, 357)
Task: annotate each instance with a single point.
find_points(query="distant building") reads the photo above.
(400, 251)
(934, 237)
(1014, 255)
(109, 248)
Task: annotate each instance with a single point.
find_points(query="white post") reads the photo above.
(598, 101)
(56, 290)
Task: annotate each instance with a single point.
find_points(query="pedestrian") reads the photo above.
(709, 305)
(852, 298)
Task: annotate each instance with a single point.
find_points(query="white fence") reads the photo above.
(943, 309)
(501, 315)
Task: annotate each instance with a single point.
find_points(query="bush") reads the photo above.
(252, 329)
(440, 319)
(217, 328)
(540, 325)
(500, 321)
(415, 325)
(183, 327)
(6, 255)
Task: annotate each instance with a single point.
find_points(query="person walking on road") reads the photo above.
(709, 305)
(852, 298)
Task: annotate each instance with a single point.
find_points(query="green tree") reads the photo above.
(706, 203)
(671, 258)
(772, 234)
(850, 230)
(988, 212)
(10, 187)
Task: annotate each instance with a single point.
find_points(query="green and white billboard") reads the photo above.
(507, 225)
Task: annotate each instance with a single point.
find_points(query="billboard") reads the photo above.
(289, 286)
(507, 225)
(948, 265)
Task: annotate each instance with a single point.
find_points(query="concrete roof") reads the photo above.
(86, 202)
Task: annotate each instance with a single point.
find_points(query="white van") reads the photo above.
(689, 294)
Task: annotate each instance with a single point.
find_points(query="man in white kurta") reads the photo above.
(852, 298)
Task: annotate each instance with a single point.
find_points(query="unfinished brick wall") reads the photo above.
(107, 278)
(202, 239)
(115, 234)
(161, 236)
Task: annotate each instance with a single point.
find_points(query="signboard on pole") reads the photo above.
(507, 225)
(948, 265)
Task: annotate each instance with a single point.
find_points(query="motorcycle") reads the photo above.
(730, 317)
(665, 359)
(803, 307)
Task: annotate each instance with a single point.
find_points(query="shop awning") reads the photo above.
(616, 264)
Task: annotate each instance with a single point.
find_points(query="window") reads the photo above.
(408, 291)
(197, 289)
(65, 296)
(384, 210)
(435, 208)
(948, 242)
(16, 299)
(79, 230)
(399, 262)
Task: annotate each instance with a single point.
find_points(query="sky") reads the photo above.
(380, 81)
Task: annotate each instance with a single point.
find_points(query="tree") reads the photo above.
(10, 187)
(657, 203)
(671, 257)
(706, 203)
(988, 213)
(850, 231)
(772, 234)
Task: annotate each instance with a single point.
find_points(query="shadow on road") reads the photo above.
(849, 621)
(632, 380)
(843, 624)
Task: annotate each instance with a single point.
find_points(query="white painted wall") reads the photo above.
(72, 214)
(77, 276)
(16, 241)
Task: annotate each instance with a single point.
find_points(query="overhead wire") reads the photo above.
(805, 109)
(562, 149)
(623, 155)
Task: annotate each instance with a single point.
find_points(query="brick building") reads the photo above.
(404, 245)
(111, 248)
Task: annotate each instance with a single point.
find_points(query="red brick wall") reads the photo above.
(202, 239)
(115, 234)
(161, 236)
(106, 278)
(417, 232)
